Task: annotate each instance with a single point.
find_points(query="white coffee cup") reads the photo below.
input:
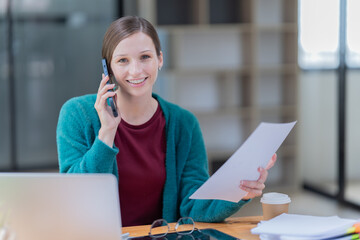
(274, 204)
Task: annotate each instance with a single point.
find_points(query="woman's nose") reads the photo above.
(135, 68)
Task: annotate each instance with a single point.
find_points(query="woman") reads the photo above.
(153, 147)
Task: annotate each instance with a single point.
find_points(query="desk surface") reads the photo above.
(238, 227)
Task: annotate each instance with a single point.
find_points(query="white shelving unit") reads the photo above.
(233, 64)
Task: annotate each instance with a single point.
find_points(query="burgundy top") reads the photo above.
(141, 166)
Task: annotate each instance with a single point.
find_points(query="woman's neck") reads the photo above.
(136, 110)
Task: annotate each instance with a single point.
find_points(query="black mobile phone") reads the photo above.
(110, 100)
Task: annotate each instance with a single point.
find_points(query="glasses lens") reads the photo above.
(185, 226)
(159, 228)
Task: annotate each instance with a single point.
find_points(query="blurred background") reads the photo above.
(233, 63)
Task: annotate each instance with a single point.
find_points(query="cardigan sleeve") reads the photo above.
(79, 149)
(195, 173)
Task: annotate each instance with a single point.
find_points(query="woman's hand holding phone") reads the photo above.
(109, 123)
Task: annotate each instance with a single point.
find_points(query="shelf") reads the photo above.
(237, 27)
(283, 110)
(275, 11)
(283, 27)
(285, 68)
(243, 112)
(196, 71)
(233, 64)
(201, 49)
(174, 12)
(229, 11)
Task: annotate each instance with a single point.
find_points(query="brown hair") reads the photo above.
(123, 28)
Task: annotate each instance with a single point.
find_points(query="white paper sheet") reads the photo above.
(304, 227)
(256, 151)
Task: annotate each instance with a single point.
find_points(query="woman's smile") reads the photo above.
(137, 82)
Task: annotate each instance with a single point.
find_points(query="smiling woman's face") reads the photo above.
(135, 64)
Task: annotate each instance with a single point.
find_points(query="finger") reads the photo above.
(106, 89)
(252, 192)
(102, 100)
(101, 85)
(246, 197)
(106, 92)
(104, 97)
(252, 185)
(263, 175)
(271, 162)
(103, 82)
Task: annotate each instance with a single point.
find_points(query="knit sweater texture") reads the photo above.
(81, 151)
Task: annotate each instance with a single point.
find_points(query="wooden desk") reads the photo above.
(238, 227)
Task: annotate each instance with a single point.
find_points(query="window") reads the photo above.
(319, 34)
(353, 34)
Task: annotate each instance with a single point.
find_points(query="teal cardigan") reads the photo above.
(80, 151)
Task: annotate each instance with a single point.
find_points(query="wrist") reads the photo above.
(107, 136)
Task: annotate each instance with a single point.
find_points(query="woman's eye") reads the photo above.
(144, 57)
(122, 60)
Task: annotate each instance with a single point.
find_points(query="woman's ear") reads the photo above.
(161, 60)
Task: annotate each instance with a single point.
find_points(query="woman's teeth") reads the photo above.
(137, 81)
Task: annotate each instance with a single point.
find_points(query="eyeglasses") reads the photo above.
(160, 228)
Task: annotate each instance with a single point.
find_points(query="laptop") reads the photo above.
(54, 206)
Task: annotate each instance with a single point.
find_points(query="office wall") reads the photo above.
(57, 53)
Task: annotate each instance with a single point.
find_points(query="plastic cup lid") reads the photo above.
(275, 198)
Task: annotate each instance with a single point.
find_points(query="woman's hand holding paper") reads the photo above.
(255, 188)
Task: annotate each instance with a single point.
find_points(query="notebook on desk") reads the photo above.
(44, 206)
